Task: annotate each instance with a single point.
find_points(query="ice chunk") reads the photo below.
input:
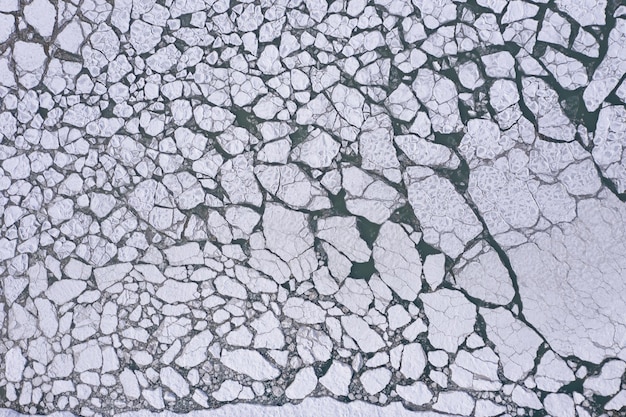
(337, 378)
(366, 337)
(303, 384)
(447, 221)
(516, 343)
(398, 261)
(451, 318)
(249, 362)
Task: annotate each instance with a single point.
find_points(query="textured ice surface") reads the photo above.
(311, 207)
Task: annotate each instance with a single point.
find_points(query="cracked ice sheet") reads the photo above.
(407, 204)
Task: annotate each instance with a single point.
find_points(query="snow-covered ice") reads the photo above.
(309, 207)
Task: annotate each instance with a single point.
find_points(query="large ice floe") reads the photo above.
(313, 208)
